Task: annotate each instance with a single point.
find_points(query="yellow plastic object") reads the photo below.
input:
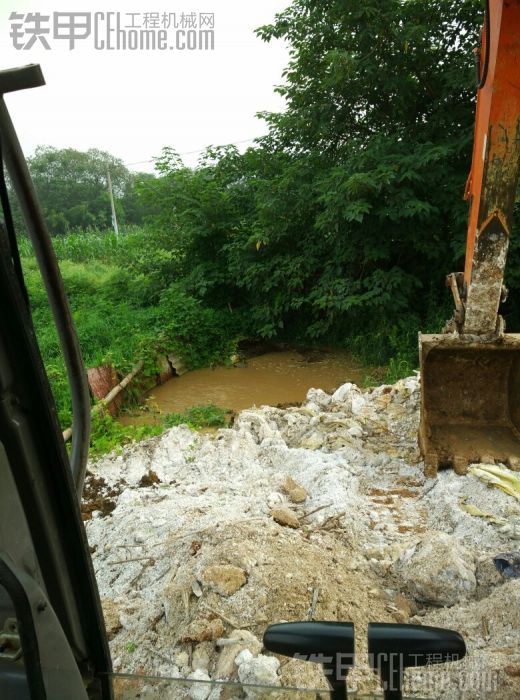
(500, 478)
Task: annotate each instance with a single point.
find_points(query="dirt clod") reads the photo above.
(285, 516)
(195, 547)
(149, 479)
(202, 630)
(225, 579)
(296, 493)
(98, 496)
(111, 612)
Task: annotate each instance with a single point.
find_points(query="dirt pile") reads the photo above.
(319, 511)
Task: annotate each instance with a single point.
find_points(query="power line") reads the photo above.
(199, 150)
(139, 162)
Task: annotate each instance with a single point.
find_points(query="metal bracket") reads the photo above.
(14, 79)
(455, 282)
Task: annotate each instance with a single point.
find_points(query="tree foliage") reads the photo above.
(342, 223)
(339, 225)
(73, 188)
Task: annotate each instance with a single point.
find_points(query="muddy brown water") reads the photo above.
(271, 379)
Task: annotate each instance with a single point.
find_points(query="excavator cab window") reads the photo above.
(53, 642)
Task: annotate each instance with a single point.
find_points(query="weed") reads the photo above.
(197, 417)
(108, 434)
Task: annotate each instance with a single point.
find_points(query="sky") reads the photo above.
(132, 103)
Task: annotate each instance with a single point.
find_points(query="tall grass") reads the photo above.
(92, 245)
(126, 307)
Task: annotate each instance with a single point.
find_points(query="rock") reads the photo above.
(275, 499)
(296, 493)
(302, 674)
(510, 530)
(222, 694)
(225, 579)
(488, 577)
(243, 639)
(508, 564)
(343, 393)
(196, 589)
(201, 656)
(403, 609)
(440, 571)
(111, 613)
(411, 384)
(356, 431)
(318, 397)
(164, 368)
(313, 441)
(357, 402)
(514, 464)
(182, 659)
(243, 657)
(201, 630)
(260, 670)
(256, 425)
(199, 691)
(285, 516)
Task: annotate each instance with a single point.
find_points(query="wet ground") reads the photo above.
(271, 379)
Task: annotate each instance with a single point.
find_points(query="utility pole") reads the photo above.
(112, 205)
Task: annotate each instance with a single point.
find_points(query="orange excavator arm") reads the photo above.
(493, 179)
(470, 373)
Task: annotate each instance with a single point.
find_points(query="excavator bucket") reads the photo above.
(470, 402)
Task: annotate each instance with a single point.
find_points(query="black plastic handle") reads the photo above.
(330, 644)
(392, 648)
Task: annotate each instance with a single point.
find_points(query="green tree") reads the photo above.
(380, 98)
(73, 189)
(344, 220)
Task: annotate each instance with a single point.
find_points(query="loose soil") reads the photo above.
(190, 508)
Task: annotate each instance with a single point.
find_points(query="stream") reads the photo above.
(270, 379)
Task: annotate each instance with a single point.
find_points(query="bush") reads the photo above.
(202, 336)
(209, 416)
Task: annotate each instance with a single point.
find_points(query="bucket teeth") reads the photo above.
(470, 402)
(487, 459)
(431, 465)
(514, 463)
(460, 465)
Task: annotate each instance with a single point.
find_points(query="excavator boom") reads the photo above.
(470, 374)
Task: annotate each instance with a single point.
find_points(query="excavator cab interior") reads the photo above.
(53, 642)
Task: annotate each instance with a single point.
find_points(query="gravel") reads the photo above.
(190, 559)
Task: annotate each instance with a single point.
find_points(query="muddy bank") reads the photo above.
(274, 378)
(319, 510)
